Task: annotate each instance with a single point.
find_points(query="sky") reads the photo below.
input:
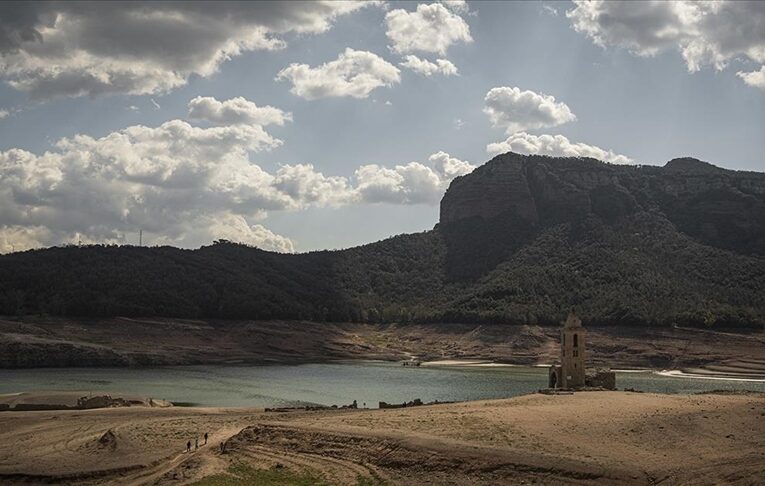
(300, 126)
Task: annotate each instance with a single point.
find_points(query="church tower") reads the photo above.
(572, 352)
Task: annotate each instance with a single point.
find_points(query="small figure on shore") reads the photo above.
(196, 443)
(205, 438)
(188, 446)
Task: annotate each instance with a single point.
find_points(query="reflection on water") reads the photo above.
(326, 384)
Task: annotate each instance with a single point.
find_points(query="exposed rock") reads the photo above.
(101, 401)
(108, 440)
(503, 203)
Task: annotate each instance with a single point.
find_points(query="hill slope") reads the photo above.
(520, 240)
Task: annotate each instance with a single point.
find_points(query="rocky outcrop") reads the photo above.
(493, 189)
(509, 198)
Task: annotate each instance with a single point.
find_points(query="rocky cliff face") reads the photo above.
(512, 196)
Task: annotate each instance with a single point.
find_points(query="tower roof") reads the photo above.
(572, 320)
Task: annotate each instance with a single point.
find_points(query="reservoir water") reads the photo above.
(327, 384)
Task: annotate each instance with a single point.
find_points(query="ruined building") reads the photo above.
(572, 371)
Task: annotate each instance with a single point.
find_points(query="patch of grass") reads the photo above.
(375, 480)
(240, 474)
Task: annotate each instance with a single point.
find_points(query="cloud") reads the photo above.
(4, 114)
(549, 10)
(52, 49)
(755, 78)
(184, 185)
(431, 28)
(307, 187)
(448, 167)
(413, 183)
(353, 73)
(234, 227)
(427, 68)
(514, 110)
(154, 104)
(705, 33)
(458, 6)
(235, 111)
(171, 180)
(555, 146)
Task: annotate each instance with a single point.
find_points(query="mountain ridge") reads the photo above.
(519, 240)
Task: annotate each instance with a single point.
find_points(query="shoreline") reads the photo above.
(671, 373)
(711, 376)
(50, 393)
(53, 342)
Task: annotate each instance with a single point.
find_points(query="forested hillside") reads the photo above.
(520, 240)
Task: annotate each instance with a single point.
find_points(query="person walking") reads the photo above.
(196, 443)
(188, 446)
(205, 438)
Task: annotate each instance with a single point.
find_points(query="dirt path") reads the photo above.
(584, 438)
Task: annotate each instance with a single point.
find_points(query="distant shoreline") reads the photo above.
(710, 376)
(675, 373)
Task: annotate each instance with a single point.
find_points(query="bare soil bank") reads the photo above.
(64, 400)
(584, 438)
(55, 342)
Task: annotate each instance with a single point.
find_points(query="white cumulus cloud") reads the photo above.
(185, 185)
(755, 78)
(353, 73)
(427, 68)
(412, 183)
(172, 180)
(235, 228)
(514, 110)
(235, 111)
(448, 167)
(555, 146)
(54, 49)
(430, 28)
(705, 33)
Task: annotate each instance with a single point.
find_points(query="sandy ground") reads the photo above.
(587, 437)
(57, 342)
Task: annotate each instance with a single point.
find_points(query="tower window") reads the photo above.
(576, 340)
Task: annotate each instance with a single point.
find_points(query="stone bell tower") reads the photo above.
(572, 352)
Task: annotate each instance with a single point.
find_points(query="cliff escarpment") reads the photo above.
(502, 204)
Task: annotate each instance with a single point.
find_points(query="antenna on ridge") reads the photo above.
(140, 237)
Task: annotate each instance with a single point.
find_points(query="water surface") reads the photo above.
(326, 384)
